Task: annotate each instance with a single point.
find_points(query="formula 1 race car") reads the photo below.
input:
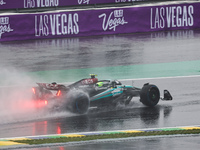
(89, 92)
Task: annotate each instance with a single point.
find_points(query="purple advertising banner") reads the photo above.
(99, 22)
(18, 4)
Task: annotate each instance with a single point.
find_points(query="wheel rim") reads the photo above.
(154, 94)
(81, 106)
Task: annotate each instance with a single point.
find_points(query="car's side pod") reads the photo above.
(167, 96)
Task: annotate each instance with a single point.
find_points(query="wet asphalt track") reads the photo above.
(133, 49)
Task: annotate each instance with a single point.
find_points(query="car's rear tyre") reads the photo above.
(79, 102)
(150, 95)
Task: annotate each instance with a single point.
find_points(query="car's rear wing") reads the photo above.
(52, 86)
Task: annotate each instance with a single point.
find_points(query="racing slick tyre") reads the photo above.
(79, 103)
(150, 95)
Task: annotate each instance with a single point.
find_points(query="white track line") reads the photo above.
(173, 77)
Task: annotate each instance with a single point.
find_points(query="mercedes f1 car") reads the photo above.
(89, 92)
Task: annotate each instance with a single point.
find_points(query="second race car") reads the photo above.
(85, 93)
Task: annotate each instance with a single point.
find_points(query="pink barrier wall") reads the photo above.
(99, 22)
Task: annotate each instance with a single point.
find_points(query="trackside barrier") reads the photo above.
(132, 19)
(31, 4)
(88, 136)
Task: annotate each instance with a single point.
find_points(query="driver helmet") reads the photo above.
(100, 84)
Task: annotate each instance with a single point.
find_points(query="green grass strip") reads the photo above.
(63, 139)
(171, 129)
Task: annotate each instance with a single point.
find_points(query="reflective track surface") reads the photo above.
(150, 55)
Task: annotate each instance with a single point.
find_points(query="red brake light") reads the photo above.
(41, 103)
(45, 102)
(59, 93)
(33, 89)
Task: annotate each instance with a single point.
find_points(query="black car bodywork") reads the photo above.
(85, 93)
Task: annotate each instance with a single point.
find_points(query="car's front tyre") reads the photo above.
(150, 95)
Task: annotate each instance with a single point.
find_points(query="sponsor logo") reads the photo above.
(40, 3)
(83, 1)
(4, 26)
(56, 24)
(2, 2)
(171, 17)
(116, 92)
(87, 81)
(115, 19)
